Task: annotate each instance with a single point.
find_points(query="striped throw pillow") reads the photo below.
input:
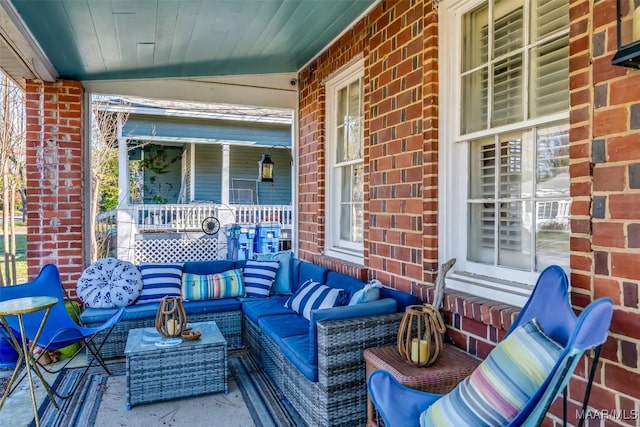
(313, 296)
(503, 383)
(228, 284)
(258, 276)
(158, 281)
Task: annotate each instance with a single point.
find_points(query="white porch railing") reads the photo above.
(256, 214)
(189, 217)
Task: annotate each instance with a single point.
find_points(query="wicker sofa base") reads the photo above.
(339, 397)
(229, 323)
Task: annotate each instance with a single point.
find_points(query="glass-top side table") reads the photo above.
(19, 307)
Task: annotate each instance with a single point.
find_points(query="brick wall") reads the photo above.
(398, 41)
(605, 166)
(54, 178)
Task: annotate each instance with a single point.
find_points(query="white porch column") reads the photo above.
(224, 179)
(126, 233)
(124, 199)
(126, 226)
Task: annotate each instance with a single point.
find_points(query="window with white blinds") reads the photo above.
(345, 164)
(514, 82)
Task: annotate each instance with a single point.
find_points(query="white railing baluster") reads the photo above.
(189, 217)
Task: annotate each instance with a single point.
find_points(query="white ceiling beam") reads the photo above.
(264, 90)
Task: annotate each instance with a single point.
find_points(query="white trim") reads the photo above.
(176, 112)
(334, 246)
(87, 215)
(351, 64)
(345, 255)
(295, 171)
(264, 90)
(192, 177)
(124, 174)
(224, 179)
(452, 156)
(525, 124)
(27, 50)
(175, 140)
(342, 33)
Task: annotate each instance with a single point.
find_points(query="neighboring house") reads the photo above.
(497, 132)
(188, 162)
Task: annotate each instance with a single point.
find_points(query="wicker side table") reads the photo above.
(452, 366)
(165, 373)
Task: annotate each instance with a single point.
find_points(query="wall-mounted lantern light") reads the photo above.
(265, 169)
(628, 32)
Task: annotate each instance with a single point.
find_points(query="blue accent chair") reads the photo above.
(400, 406)
(60, 330)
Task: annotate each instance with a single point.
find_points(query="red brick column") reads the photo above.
(606, 206)
(54, 178)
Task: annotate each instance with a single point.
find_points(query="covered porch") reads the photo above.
(419, 87)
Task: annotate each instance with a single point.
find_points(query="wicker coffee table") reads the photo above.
(188, 369)
(453, 365)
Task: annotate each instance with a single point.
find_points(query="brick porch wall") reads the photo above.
(398, 41)
(605, 180)
(54, 178)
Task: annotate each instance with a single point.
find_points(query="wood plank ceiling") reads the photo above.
(118, 39)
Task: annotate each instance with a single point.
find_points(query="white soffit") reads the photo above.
(20, 54)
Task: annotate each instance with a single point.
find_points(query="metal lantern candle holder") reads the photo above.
(627, 34)
(420, 335)
(171, 319)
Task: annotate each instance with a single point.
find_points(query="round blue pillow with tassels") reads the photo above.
(109, 283)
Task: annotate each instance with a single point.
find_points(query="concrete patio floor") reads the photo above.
(215, 409)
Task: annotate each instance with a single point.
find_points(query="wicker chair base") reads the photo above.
(339, 397)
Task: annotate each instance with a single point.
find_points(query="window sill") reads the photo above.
(351, 257)
(503, 291)
(341, 266)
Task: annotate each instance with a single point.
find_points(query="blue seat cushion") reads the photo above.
(341, 281)
(207, 267)
(296, 348)
(148, 311)
(283, 326)
(255, 309)
(211, 306)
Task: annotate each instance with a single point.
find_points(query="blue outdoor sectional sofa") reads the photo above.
(316, 363)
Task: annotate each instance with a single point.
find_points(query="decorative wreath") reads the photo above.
(109, 283)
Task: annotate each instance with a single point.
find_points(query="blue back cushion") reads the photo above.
(239, 263)
(295, 274)
(207, 267)
(282, 284)
(309, 271)
(341, 281)
(402, 298)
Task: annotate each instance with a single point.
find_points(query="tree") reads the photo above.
(108, 117)
(12, 158)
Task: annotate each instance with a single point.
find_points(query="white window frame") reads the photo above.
(334, 246)
(501, 284)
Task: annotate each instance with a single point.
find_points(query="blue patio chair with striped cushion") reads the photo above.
(519, 380)
(60, 330)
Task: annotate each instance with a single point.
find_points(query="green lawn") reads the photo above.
(21, 243)
(21, 257)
